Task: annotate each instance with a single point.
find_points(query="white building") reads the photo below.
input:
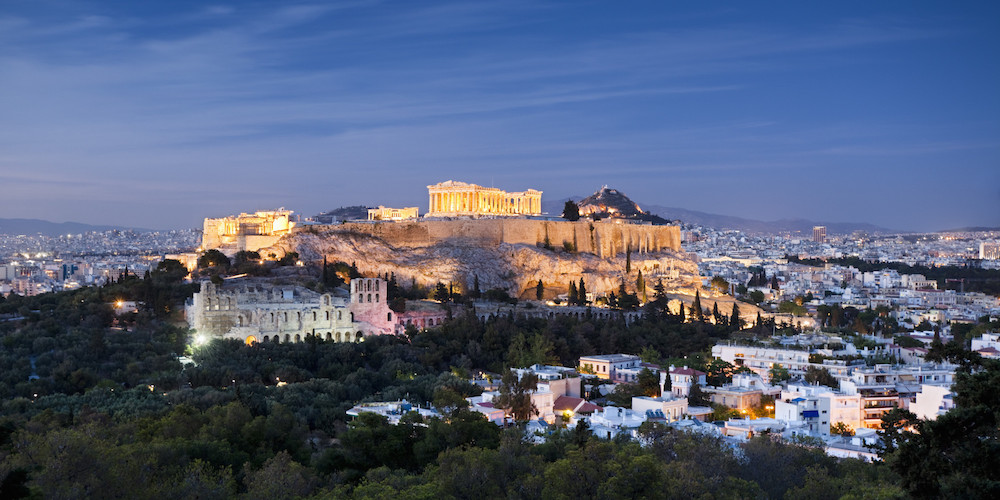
(669, 409)
(932, 401)
(610, 366)
(393, 411)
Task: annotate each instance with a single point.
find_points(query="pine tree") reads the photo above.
(734, 318)
(659, 291)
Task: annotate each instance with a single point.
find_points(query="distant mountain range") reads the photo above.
(732, 222)
(44, 227)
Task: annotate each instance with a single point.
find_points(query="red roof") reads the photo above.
(588, 408)
(563, 403)
(686, 371)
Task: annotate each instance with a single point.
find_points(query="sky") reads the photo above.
(158, 114)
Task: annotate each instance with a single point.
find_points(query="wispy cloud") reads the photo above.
(231, 94)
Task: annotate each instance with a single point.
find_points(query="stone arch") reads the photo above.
(266, 339)
(288, 338)
(376, 297)
(388, 316)
(329, 336)
(298, 338)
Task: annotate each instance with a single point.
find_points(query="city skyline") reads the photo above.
(149, 116)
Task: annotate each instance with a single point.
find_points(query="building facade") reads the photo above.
(386, 213)
(245, 231)
(256, 311)
(452, 199)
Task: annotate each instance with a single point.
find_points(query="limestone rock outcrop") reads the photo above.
(512, 267)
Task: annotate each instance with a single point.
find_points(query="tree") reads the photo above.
(582, 293)
(719, 284)
(734, 318)
(640, 286)
(571, 211)
(659, 291)
(574, 295)
(841, 429)
(441, 292)
(515, 395)
(961, 446)
(213, 258)
(697, 396)
(779, 373)
(820, 376)
(699, 314)
(476, 292)
(539, 290)
(628, 260)
(716, 315)
(756, 296)
(648, 382)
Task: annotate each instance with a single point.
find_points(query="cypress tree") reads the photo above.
(539, 290)
(734, 318)
(699, 313)
(582, 293)
(573, 295)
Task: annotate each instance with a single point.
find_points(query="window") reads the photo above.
(388, 317)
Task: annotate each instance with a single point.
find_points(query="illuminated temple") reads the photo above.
(246, 231)
(452, 198)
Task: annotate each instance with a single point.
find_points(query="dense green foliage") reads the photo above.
(108, 411)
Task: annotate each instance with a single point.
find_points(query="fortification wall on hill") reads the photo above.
(599, 238)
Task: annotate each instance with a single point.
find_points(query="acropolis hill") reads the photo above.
(496, 236)
(512, 254)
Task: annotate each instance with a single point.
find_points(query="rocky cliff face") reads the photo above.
(513, 267)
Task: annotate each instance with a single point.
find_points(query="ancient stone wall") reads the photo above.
(605, 239)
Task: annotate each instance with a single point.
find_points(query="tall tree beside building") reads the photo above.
(514, 396)
(582, 293)
(574, 295)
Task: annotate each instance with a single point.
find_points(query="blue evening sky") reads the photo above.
(157, 114)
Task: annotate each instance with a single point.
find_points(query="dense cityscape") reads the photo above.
(499, 250)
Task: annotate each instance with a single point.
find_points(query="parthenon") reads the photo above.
(452, 198)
